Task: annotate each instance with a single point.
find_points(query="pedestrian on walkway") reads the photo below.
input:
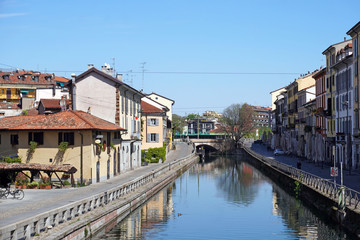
(298, 164)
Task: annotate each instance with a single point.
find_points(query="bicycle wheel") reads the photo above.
(19, 194)
(2, 194)
(6, 194)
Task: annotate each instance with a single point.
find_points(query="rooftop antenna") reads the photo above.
(114, 73)
(130, 81)
(143, 71)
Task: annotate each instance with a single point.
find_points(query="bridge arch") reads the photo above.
(206, 147)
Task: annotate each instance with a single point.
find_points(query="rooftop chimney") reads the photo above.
(90, 66)
(103, 68)
(344, 39)
(119, 77)
(62, 104)
(110, 71)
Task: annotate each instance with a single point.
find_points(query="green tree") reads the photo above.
(192, 116)
(178, 123)
(237, 121)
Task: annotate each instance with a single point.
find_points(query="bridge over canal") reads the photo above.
(205, 142)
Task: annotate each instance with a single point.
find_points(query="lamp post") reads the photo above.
(342, 188)
(81, 158)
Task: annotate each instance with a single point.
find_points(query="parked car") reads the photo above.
(278, 151)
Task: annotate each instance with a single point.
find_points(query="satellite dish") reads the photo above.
(97, 141)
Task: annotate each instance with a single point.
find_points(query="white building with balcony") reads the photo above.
(344, 106)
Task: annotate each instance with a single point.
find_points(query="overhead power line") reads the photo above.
(197, 108)
(222, 73)
(195, 73)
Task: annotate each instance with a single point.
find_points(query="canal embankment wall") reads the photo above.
(316, 192)
(80, 219)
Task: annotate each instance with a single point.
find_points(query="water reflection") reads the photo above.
(222, 198)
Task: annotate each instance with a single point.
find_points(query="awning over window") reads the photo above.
(25, 90)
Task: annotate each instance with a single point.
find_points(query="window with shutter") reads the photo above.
(152, 137)
(122, 103)
(349, 101)
(153, 122)
(356, 68)
(36, 137)
(131, 107)
(14, 139)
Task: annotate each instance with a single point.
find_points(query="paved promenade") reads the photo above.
(39, 201)
(351, 181)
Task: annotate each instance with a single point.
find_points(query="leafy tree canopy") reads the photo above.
(192, 116)
(237, 120)
(178, 123)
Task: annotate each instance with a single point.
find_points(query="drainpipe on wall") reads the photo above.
(81, 158)
(73, 91)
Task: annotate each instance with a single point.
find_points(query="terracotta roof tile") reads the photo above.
(65, 120)
(32, 111)
(61, 79)
(52, 103)
(9, 105)
(148, 108)
(27, 78)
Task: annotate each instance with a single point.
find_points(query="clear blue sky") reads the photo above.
(220, 37)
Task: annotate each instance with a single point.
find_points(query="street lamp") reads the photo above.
(346, 141)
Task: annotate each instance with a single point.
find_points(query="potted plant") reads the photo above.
(45, 183)
(21, 180)
(33, 185)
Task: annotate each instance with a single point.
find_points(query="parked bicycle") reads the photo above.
(16, 193)
(3, 193)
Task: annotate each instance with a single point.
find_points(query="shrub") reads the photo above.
(21, 178)
(33, 146)
(153, 155)
(79, 184)
(16, 159)
(66, 183)
(63, 146)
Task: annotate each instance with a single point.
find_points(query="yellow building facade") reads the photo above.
(93, 144)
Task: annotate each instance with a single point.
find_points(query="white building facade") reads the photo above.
(344, 107)
(106, 97)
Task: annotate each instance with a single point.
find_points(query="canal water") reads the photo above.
(223, 198)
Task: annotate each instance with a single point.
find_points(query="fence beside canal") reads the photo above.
(27, 228)
(324, 186)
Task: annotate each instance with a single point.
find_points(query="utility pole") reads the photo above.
(143, 71)
(198, 126)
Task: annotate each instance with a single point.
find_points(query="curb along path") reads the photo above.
(24, 218)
